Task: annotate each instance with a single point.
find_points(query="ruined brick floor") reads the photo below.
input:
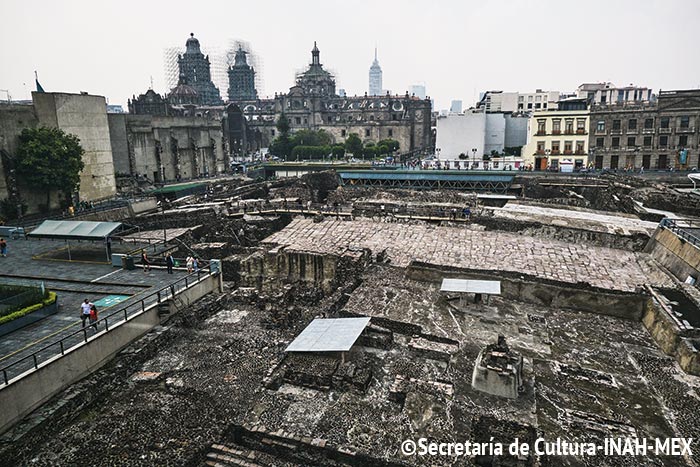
(465, 248)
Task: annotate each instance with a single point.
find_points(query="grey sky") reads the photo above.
(457, 48)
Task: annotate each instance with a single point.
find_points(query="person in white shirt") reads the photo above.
(85, 310)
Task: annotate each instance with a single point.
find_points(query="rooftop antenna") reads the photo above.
(151, 82)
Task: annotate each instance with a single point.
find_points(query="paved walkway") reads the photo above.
(464, 248)
(73, 282)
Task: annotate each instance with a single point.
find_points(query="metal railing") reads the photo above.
(680, 228)
(94, 330)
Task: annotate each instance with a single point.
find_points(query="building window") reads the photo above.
(616, 142)
(647, 141)
(529, 105)
(599, 142)
(391, 132)
(555, 147)
(521, 99)
(663, 141)
(631, 141)
(343, 133)
(306, 121)
(520, 106)
(649, 123)
(297, 120)
(567, 147)
(614, 161)
(600, 127)
(632, 124)
(683, 141)
(665, 121)
(540, 147)
(538, 98)
(272, 133)
(556, 126)
(529, 98)
(569, 128)
(544, 105)
(616, 125)
(685, 121)
(538, 105)
(580, 126)
(394, 117)
(579, 147)
(541, 127)
(366, 132)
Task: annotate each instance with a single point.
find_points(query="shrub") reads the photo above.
(50, 299)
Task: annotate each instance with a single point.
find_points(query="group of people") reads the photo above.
(88, 314)
(191, 262)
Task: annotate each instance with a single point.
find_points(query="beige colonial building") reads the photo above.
(558, 136)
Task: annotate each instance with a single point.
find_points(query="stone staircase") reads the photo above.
(224, 456)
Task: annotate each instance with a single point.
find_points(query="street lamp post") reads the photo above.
(474, 157)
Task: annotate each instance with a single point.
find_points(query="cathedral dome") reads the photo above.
(183, 94)
(192, 44)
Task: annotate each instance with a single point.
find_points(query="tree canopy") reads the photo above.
(353, 144)
(49, 159)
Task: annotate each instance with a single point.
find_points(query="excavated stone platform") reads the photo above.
(605, 268)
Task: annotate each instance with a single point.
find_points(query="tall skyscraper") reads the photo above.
(418, 90)
(375, 77)
(241, 78)
(456, 106)
(195, 72)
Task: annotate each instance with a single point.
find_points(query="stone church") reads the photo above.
(190, 132)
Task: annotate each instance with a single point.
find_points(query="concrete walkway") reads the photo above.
(72, 282)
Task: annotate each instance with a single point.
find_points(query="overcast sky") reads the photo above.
(456, 48)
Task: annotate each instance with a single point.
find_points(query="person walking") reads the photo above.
(169, 262)
(190, 263)
(3, 247)
(145, 261)
(195, 264)
(85, 311)
(93, 316)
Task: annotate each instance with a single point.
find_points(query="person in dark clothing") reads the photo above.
(169, 263)
(145, 261)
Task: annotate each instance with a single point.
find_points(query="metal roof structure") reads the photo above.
(471, 286)
(75, 230)
(329, 335)
(428, 179)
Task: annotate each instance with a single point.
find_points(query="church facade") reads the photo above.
(313, 104)
(249, 123)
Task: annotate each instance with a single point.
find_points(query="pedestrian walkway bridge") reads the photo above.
(428, 180)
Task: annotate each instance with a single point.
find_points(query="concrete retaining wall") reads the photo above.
(26, 320)
(546, 293)
(675, 254)
(28, 391)
(669, 339)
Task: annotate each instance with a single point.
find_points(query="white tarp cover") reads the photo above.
(471, 286)
(329, 335)
(75, 230)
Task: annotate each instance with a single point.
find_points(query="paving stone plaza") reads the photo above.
(471, 249)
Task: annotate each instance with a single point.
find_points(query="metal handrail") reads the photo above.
(161, 294)
(674, 225)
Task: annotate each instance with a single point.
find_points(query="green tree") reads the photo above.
(353, 144)
(281, 146)
(311, 138)
(283, 124)
(338, 150)
(49, 159)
